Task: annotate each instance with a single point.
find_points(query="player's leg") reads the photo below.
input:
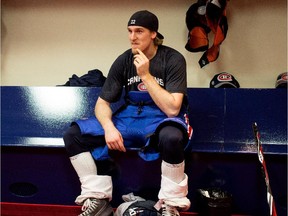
(174, 182)
(96, 190)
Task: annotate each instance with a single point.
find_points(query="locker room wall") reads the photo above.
(47, 41)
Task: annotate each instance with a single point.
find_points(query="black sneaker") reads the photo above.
(167, 210)
(97, 207)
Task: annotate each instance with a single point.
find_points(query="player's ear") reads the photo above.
(153, 35)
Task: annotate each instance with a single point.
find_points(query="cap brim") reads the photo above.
(281, 83)
(160, 36)
(225, 85)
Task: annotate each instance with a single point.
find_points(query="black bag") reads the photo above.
(214, 202)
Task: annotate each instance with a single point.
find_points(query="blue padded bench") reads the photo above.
(36, 169)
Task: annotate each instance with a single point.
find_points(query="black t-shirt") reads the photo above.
(168, 67)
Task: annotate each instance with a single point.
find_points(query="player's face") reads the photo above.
(141, 38)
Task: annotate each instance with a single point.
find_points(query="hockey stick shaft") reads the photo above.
(265, 172)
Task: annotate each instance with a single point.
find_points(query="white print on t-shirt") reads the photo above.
(136, 79)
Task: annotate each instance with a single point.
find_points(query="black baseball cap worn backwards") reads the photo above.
(147, 20)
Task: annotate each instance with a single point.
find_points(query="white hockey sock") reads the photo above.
(174, 172)
(84, 164)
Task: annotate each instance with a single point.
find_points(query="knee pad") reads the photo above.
(171, 144)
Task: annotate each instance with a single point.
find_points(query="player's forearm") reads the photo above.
(162, 98)
(103, 113)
